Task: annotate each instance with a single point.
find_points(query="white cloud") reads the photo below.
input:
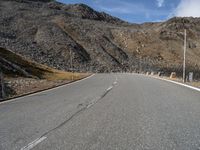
(188, 8)
(121, 7)
(160, 3)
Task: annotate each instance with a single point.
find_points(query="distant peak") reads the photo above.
(81, 5)
(181, 19)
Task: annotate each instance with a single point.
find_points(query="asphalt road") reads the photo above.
(104, 112)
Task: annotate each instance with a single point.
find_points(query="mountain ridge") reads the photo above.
(52, 33)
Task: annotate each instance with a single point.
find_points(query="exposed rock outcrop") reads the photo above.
(76, 37)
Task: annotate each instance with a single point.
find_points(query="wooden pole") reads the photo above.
(184, 54)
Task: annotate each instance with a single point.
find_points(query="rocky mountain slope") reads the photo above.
(76, 37)
(21, 76)
(15, 65)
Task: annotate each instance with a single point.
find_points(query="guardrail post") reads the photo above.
(191, 74)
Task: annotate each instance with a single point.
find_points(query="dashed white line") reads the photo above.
(34, 143)
(115, 83)
(108, 89)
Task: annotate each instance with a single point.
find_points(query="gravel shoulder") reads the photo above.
(21, 86)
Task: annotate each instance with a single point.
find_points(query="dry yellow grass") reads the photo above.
(196, 84)
(61, 75)
(38, 70)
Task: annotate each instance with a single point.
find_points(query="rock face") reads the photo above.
(76, 37)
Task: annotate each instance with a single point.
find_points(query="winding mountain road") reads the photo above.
(104, 112)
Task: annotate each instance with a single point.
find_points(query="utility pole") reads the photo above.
(184, 54)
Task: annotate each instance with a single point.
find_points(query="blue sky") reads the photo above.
(139, 11)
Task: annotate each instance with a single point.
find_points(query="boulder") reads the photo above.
(173, 75)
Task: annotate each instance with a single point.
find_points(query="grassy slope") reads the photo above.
(38, 70)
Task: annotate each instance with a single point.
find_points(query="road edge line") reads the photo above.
(178, 83)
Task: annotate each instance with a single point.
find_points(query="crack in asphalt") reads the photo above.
(92, 102)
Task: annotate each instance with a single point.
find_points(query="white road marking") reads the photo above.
(93, 102)
(96, 99)
(67, 84)
(175, 82)
(108, 89)
(34, 143)
(115, 83)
